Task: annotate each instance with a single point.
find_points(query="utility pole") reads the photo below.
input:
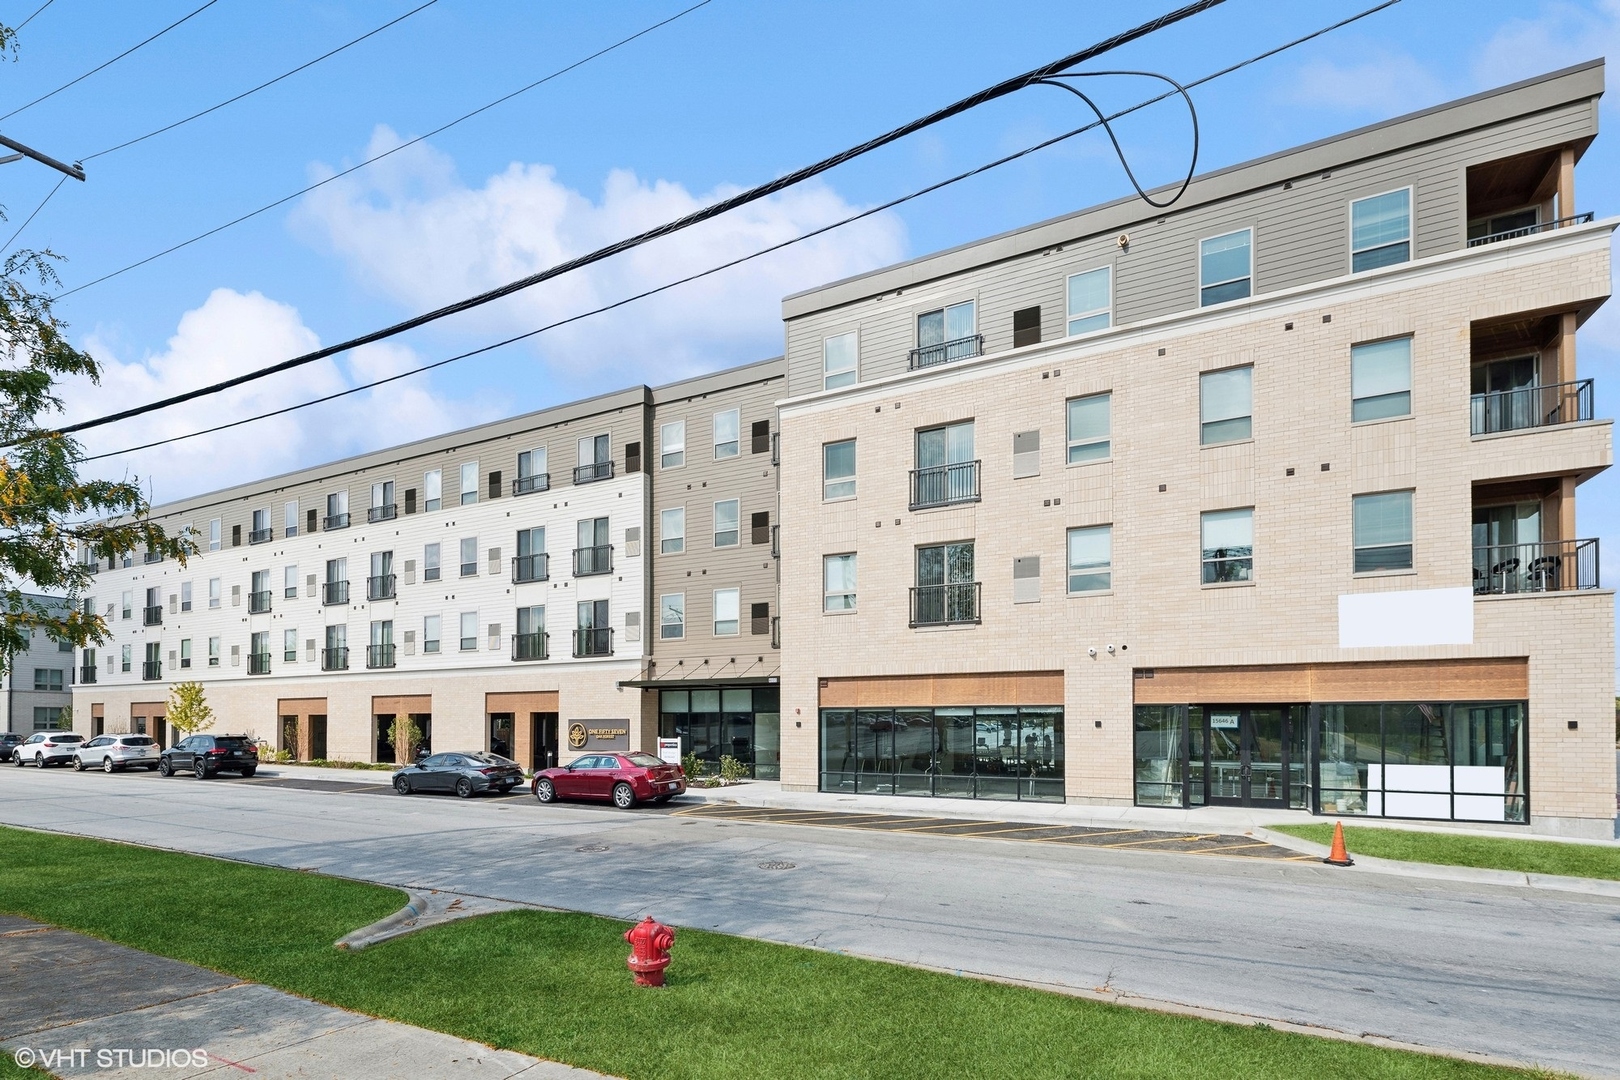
(76, 171)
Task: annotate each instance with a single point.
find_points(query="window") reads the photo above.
(1382, 526)
(1225, 404)
(469, 631)
(838, 470)
(289, 518)
(128, 602)
(259, 653)
(838, 582)
(1381, 379)
(532, 474)
(124, 657)
(1091, 300)
(48, 679)
(672, 616)
(947, 591)
(1225, 269)
(469, 556)
(185, 652)
(727, 612)
(185, 596)
(594, 555)
(430, 562)
(945, 334)
(672, 530)
(337, 510)
(839, 356)
(1091, 559)
(530, 644)
(469, 483)
(213, 592)
(725, 523)
(1228, 546)
(47, 718)
(726, 427)
(213, 653)
(672, 444)
(433, 489)
(1381, 230)
(946, 469)
(430, 634)
(383, 507)
(595, 459)
(261, 526)
(213, 534)
(289, 646)
(289, 582)
(1090, 428)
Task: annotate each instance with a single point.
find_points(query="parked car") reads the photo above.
(207, 755)
(109, 753)
(44, 748)
(9, 741)
(623, 779)
(465, 772)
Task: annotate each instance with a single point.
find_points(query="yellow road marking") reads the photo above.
(1079, 836)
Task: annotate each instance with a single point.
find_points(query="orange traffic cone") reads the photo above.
(1338, 856)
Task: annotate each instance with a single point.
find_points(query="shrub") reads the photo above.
(732, 771)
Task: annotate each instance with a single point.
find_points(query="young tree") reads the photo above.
(189, 711)
(48, 515)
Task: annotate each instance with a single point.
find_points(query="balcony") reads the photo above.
(593, 560)
(378, 656)
(1531, 230)
(945, 485)
(258, 663)
(598, 642)
(380, 587)
(963, 348)
(528, 485)
(258, 602)
(335, 521)
(596, 470)
(87, 673)
(530, 646)
(335, 592)
(260, 536)
(152, 616)
(535, 567)
(152, 557)
(334, 659)
(386, 512)
(152, 670)
(1555, 566)
(1531, 407)
(945, 605)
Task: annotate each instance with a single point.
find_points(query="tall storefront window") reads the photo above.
(984, 752)
(739, 722)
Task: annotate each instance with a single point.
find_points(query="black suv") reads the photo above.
(206, 755)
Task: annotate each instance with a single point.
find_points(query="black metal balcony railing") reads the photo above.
(386, 512)
(335, 521)
(151, 616)
(1531, 230)
(598, 642)
(93, 565)
(259, 602)
(152, 557)
(944, 485)
(536, 567)
(335, 659)
(335, 592)
(1531, 407)
(380, 587)
(258, 663)
(152, 670)
(260, 536)
(962, 348)
(380, 656)
(593, 560)
(596, 470)
(527, 485)
(1553, 566)
(87, 673)
(529, 646)
(945, 605)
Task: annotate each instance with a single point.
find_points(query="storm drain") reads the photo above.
(592, 847)
(777, 864)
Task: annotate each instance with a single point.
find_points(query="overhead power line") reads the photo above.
(753, 194)
(264, 85)
(30, 18)
(109, 63)
(29, 219)
(868, 212)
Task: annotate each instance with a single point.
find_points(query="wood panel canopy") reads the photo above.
(1473, 679)
(149, 709)
(521, 704)
(403, 705)
(900, 691)
(98, 710)
(307, 706)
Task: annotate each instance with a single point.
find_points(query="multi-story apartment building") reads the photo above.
(1267, 499)
(38, 682)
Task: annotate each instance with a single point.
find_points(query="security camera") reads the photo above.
(1110, 650)
(1092, 651)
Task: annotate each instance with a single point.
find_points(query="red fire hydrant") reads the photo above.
(649, 955)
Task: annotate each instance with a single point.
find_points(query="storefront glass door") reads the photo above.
(1247, 750)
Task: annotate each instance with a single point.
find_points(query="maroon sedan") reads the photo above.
(623, 779)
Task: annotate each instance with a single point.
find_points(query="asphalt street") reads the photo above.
(1515, 973)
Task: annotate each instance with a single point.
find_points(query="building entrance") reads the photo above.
(544, 740)
(1247, 754)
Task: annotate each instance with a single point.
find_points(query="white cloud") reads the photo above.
(1385, 84)
(413, 232)
(229, 334)
(1559, 35)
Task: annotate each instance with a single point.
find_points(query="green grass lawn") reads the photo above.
(555, 985)
(10, 1070)
(1526, 856)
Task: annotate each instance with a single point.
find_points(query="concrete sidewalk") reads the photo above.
(82, 1007)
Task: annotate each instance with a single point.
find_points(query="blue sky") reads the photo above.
(726, 96)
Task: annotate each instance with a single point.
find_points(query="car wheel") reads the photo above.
(464, 788)
(39, 761)
(78, 764)
(623, 797)
(16, 758)
(199, 771)
(107, 765)
(661, 799)
(402, 785)
(249, 771)
(164, 768)
(545, 791)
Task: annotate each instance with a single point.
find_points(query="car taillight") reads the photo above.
(218, 753)
(489, 772)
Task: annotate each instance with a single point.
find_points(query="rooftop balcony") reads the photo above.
(1513, 232)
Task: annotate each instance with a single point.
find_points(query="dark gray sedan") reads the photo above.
(464, 772)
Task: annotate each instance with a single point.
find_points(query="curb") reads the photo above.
(422, 910)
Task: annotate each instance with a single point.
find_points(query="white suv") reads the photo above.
(113, 752)
(44, 748)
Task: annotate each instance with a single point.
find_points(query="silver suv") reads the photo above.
(44, 748)
(113, 752)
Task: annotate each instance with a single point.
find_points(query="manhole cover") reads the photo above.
(777, 864)
(592, 847)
